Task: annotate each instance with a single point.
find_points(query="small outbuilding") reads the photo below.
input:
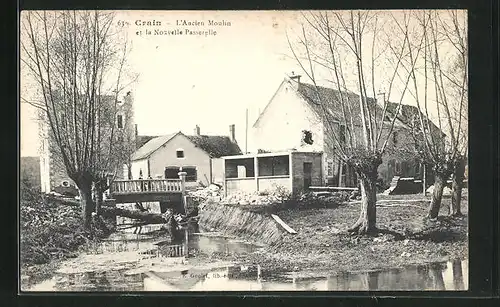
(260, 172)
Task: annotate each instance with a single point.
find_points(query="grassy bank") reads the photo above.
(322, 243)
(49, 233)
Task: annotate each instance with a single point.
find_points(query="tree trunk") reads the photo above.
(437, 277)
(456, 188)
(437, 196)
(372, 281)
(458, 278)
(129, 171)
(367, 219)
(98, 200)
(424, 179)
(87, 204)
(147, 217)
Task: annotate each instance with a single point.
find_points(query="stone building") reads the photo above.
(299, 117)
(53, 175)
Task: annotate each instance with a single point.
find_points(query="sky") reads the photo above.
(209, 81)
(186, 80)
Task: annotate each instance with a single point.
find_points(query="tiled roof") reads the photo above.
(216, 146)
(143, 139)
(326, 103)
(330, 98)
(151, 146)
(409, 114)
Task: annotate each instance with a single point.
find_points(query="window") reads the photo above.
(342, 134)
(394, 137)
(172, 172)
(119, 120)
(307, 137)
(232, 167)
(274, 166)
(65, 183)
(398, 167)
(344, 169)
(417, 168)
(191, 174)
(329, 168)
(180, 153)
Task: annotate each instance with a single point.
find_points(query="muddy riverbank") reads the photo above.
(322, 244)
(321, 256)
(131, 268)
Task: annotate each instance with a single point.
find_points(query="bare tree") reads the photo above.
(78, 63)
(444, 74)
(353, 45)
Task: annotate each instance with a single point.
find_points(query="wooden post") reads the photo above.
(341, 164)
(186, 246)
(224, 185)
(182, 176)
(256, 173)
(246, 131)
(290, 171)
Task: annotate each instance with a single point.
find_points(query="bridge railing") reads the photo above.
(146, 186)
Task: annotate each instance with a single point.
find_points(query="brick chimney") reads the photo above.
(232, 134)
(295, 80)
(197, 130)
(381, 99)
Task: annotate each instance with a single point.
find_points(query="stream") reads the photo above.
(130, 262)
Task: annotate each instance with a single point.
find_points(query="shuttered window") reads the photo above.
(172, 172)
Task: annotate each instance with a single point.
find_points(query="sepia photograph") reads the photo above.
(287, 150)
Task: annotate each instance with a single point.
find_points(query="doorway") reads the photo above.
(307, 174)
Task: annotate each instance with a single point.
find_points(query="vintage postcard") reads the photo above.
(243, 150)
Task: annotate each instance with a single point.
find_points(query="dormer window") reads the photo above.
(119, 121)
(180, 153)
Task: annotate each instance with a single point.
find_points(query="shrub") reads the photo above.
(310, 200)
(50, 230)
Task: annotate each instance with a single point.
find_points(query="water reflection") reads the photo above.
(209, 244)
(243, 278)
(437, 276)
(441, 276)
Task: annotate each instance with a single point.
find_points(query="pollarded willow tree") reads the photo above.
(77, 60)
(440, 85)
(351, 49)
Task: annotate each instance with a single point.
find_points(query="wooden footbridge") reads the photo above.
(171, 191)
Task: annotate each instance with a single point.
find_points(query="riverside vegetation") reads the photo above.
(51, 232)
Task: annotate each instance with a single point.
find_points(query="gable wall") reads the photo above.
(193, 156)
(281, 124)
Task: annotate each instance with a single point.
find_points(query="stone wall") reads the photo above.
(298, 160)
